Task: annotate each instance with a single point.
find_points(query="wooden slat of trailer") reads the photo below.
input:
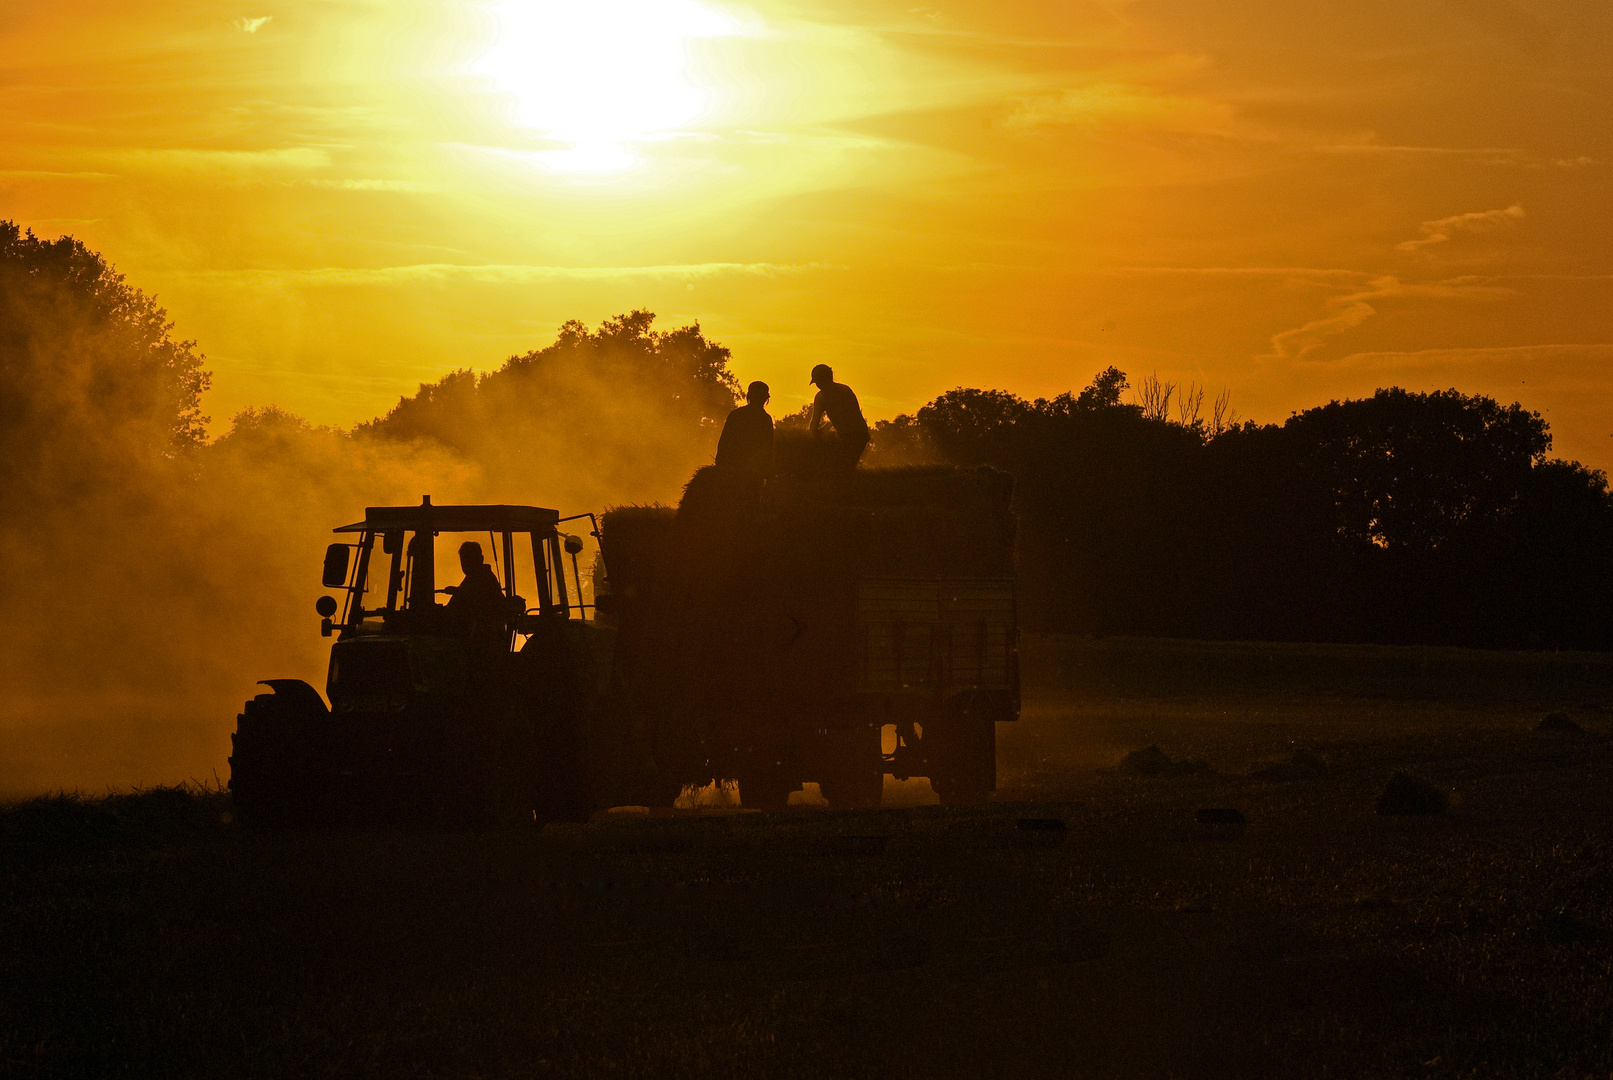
(896, 619)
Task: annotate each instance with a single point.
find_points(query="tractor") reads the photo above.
(428, 722)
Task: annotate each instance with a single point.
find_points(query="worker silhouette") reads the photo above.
(477, 607)
(746, 444)
(837, 402)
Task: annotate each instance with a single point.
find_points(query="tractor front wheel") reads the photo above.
(276, 777)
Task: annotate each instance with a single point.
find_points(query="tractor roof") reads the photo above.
(487, 518)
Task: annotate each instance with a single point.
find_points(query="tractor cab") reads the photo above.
(398, 639)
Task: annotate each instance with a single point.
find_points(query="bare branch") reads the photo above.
(1188, 406)
(1223, 417)
(1155, 397)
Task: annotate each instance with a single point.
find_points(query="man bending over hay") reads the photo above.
(838, 403)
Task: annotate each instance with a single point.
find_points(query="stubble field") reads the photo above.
(1085, 923)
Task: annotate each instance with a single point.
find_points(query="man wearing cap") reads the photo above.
(478, 608)
(837, 402)
(746, 444)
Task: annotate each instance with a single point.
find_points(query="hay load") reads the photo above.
(924, 521)
(630, 537)
(775, 623)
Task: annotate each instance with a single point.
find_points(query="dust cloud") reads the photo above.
(154, 576)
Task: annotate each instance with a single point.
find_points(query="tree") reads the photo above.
(621, 412)
(577, 383)
(969, 427)
(91, 380)
(1415, 471)
(1105, 391)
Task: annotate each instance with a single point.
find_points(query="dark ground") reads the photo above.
(145, 935)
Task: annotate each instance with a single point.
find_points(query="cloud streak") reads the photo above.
(494, 273)
(1351, 310)
(230, 162)
(1499, 354)
(1115, 103)
(1442, 230)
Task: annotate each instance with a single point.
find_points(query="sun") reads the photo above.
(602, 76)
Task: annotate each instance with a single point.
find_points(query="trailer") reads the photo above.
(827, 628)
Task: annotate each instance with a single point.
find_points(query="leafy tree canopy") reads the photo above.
(90, 375)
(583, 383)
(1414, 470)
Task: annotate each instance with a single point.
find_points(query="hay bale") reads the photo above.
(919, 521)
(719, 495)
(1558, 723)
(1302, 765)
(1407, 795)
(1149, 761)
(1152, 761)
(962, 491)
(632, 520)
(633, 539)
(797, 453)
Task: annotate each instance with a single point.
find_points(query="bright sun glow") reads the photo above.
(602, 75)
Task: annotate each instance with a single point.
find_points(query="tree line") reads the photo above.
(1430, 518)
(1410, 518)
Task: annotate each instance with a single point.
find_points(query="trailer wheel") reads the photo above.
(964, 761)
(864, 790)
(854, 778)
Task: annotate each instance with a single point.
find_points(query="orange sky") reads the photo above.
(341, 198)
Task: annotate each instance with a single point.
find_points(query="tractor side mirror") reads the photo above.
(335, 576)
(392, 541)
(573, 545)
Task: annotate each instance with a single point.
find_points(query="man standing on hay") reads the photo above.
(746, 444)
(839, 404)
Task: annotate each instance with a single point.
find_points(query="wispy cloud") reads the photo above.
(1449, 151)
(1513, 156)
(1297, 273)
(1498, 354)
(504, 273)
(1442, 230)
(413, 186)
(1107, 104)
(47, 174)
(230, 162)
(1351, 310)
(248, 24)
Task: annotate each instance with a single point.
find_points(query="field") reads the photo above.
(1085, 923)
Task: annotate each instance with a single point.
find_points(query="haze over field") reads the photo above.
(342, 200)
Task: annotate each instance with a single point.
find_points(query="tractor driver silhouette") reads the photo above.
(478, 608)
